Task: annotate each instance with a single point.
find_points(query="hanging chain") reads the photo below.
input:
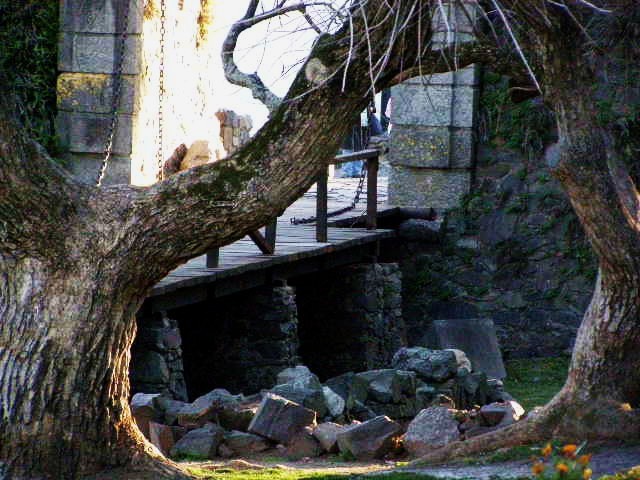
(115, 100)
(335, 213)
(161, 91)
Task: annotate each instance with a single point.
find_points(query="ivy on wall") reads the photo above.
(28, 59)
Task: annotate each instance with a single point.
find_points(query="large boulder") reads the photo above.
(162, 437)
(306, 391)
(207, 407)
(144, 410)
(335, 403)
(303, 445)
(242, 443)
(280, 419)
(169, 408)
(501, 414)
(429, 365)
(292, 374)
(327, 434)
(201, 443)
(389, 385)
(432, 428)
(371, 439)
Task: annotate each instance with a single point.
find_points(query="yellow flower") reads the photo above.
(586, 473)
(569, 450)
(538, 468)
(584, 459)
(546, 451)
(562, 468)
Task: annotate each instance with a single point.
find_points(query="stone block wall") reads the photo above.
(235, 130)
(156, 358)
(432, 148)
(89, 56)
(351, 319)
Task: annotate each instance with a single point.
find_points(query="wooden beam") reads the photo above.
(372, 193)
(270, 234)
(321, 205)
(359, 155)
(261, 242)
(213, 258)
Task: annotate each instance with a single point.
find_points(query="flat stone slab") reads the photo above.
(474, 336)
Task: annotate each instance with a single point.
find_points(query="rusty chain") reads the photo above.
(116, 95)
(161, 92)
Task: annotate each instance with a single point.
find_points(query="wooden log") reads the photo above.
(372, 193)
(321, 205)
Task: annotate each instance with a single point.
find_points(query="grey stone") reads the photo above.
(84, 168)
(429, 365)
(305, 390)
(206, 407)
(371, 439)
(238, 417)
(242, 443)
(335, 403)
(477, 338)
(427, 187)
(169, 408)
(350, 387)
(94, 53)
(465, 76)
(93, 93)
(86, 132)
(434, 427)
(389, 385)
(162, 437)
(303, 445)
(98, 16)
(417, 230)
(327, 434)
(501, 414)
(280, 419)
(425, 396)
(299, 372)
(431, 105)
(200, 443)
(144, 410)
(461, 359)
(431, 147)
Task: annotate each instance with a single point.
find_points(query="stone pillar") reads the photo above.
(89, 56)
(432, 147)
(156, 358)
(87, 59)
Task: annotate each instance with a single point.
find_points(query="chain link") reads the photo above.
(335, 213)
(161, 91)
(117, 94)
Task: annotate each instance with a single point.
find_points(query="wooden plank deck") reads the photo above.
(294, 243)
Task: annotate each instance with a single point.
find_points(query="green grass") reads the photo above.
(286, 474)
(534, 381)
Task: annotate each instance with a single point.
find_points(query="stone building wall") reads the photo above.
(433, 140)
(89, 55)
(235, 130)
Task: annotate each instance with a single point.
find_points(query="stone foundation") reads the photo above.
(351, 319)
(156, 358)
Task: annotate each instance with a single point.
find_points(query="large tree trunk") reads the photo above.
(77, 262)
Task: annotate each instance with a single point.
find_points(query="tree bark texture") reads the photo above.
(77, 262)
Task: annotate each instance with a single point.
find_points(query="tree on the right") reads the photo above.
(583, 58)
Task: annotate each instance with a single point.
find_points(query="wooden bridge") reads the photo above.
(286, 249)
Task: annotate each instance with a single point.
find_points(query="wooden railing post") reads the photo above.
(372, 193)
(213, 258)
(321, 205)
(270, 234)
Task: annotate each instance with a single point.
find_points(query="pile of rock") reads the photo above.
(361, 414)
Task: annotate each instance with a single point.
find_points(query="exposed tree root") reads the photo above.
(149, 469)
(561, 420)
